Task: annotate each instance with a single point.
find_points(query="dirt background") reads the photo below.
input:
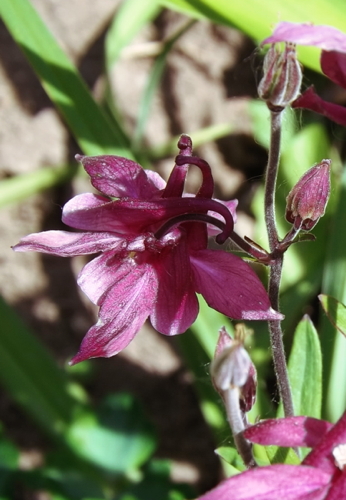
(209, 78)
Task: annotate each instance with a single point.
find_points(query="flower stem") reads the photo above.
(275, 272)
(236, 422)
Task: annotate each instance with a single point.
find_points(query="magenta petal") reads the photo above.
(310, 100)
(321, 455)
(231, 205)
(82, 204)
(176, 306)
(230, 286)
(274, 482)
(324, 37)
(124, 309)
(119, 177)
(130, 217)
(333, 65)
(66, 244)
(338, 488)
(98, 276)
(290, 431)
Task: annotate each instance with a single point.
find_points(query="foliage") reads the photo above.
(105, 451)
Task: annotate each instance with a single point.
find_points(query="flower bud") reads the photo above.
(233, 368)
(282, 77)
(308, 199)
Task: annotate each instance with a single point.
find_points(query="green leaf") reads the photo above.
(156, 484)
(61, 81)
(116, 438)
(231, 456)
(20, 187)
(30, 375)
(257, 18)
(305, 370)
(334, 284)
(335, 310)
(131, 16)
(9, 462)
(207, 325)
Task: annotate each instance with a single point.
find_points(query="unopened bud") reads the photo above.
(233, 368)
(282, 77)
(307, 201)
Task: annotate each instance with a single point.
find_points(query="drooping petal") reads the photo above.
(324, 37)
(333, 65)
(99, 275)
(230, 286)
(288, 482)
(120, 177)
(66, 244)
(310, 100)
(321, 455)
(338, 487)
(124, 308)
(290, 431)
(176, 306)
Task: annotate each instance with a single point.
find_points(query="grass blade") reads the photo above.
(62, 82)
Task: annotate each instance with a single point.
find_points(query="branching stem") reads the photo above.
(275, 272)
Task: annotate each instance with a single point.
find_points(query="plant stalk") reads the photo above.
(275, 272)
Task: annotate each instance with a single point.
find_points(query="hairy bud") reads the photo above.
(307, 201)
(282, 77)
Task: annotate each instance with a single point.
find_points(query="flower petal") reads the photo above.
(324, 37)
(66, 244)
(130, 217)
(231, 205)
(289, 482)
(230, 286)
(338, 487)
(124, 308)
(119, 177)
(321, 455)
(176, 306)
(290, 431)
(310, 100)
(333, 65)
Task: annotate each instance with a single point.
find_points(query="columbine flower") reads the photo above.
(321, 476)
(154, 256)
(333, 62)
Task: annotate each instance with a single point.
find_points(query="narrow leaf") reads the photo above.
(334, 284)
(335, 310)
(305, 370)
(20, 187)
(131, 16)
(30, 375)
(62, 82)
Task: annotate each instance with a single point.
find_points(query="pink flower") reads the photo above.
(153, 257)
(333, 62)
(321, 476)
